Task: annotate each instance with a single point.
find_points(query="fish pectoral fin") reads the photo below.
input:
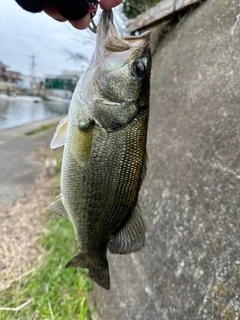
(98, 268)
(131, 237)
(58, 207)
(81, 145)
(60, 134)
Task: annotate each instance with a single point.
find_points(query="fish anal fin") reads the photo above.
(98, 268)
(81, 143)
(58, 207)
(131, 237)
(60, 134)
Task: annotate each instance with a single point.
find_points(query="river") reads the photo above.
(15, 113)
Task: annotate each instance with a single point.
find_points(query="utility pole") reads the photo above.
(32, 68)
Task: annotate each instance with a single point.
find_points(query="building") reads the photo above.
(9, 75)
(61, 87)
(14, 77)
(62, 82)
(3, 71)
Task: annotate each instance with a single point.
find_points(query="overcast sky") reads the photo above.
(23, 34)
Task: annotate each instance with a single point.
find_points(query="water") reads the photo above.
(15, 113)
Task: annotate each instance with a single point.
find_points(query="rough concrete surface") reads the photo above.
(19, 165)
(190, 266)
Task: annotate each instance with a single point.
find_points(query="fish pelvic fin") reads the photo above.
(81, 143)
(131, 237)
(58, 207)
(60, 134)
(98, 268)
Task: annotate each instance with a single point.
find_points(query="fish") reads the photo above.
(104, 154)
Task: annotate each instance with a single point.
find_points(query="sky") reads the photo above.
(23, 34)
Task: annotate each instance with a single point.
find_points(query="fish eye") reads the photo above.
(139, 69)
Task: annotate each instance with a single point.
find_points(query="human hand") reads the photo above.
(75, 11)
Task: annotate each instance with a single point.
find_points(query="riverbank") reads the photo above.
(24, 194)
(21, 159)
(7, 133)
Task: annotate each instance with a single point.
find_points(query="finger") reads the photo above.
(108, 4)
(32, 6)
(81, 23)
(54, 13)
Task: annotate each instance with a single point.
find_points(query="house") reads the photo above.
(3, 71)
(8, 75)
(14, 76)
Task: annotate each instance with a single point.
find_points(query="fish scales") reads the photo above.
(112, 182)
(104, 158)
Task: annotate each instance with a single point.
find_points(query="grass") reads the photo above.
(44, 127)
(51, 291)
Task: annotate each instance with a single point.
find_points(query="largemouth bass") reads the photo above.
(104, 157)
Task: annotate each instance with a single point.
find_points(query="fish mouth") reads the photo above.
(110, 45)
(109, 40)
(106, 27)
(105, 30)
(106, 21)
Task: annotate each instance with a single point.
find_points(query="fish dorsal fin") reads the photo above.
(81, 142)
(131, 237)
(58, 207)
(60, 134)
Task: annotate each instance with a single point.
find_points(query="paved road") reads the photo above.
(19, 164)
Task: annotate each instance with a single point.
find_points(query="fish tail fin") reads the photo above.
(100, 274)
(98, 268)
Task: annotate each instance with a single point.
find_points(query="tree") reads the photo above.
(132, 8)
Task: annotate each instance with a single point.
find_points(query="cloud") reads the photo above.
(24, 34)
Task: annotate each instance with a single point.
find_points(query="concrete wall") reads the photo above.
(190, 266)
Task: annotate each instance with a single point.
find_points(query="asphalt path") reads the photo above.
(20, 165)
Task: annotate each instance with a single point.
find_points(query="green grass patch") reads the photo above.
(53, 292)
(41, 129)
(56, 292)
